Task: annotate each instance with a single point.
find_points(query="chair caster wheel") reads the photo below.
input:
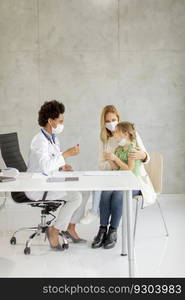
(13, 240)
(27, 250)
(65, 246)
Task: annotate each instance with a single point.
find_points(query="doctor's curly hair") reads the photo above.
(50, 110)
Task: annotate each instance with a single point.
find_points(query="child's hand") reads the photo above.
(109, 156)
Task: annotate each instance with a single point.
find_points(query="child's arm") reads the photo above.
(124, 166)
(113, 165)
(114, 159)
(109, 156)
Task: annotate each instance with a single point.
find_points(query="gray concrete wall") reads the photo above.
(90, 53)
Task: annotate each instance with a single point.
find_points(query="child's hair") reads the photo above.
(129, 128)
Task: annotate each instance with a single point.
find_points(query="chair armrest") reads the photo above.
(138, 197)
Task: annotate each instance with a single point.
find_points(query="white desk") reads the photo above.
(125, 181)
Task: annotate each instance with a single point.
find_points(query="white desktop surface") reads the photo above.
(126, 180)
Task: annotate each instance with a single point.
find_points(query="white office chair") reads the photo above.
(154, 169)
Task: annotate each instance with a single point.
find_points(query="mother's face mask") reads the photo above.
(111, 125)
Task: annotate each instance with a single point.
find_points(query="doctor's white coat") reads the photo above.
(45, 157)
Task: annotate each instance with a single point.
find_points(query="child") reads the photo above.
(125, 134)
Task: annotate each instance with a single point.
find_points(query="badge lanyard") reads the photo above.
(49, 141)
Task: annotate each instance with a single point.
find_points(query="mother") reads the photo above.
(111, 201)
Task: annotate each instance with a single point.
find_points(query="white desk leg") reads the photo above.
(130, 234)
(124, 226)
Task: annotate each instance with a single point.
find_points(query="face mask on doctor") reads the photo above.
(111, 125)
(58, 129)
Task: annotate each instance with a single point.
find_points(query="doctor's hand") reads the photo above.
(71, 151)
(66, 168)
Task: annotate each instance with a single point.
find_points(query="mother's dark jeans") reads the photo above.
(111, 204)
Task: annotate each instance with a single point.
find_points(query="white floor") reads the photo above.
(156, 255)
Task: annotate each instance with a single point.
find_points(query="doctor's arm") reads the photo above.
(71, 151)
(46, 161)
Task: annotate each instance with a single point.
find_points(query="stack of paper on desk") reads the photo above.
(6, 179)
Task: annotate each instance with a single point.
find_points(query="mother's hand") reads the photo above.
(138, 154)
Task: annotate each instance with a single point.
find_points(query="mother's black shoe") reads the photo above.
(100, 238)
(111, 238)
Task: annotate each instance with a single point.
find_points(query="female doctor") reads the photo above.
(45, 156)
